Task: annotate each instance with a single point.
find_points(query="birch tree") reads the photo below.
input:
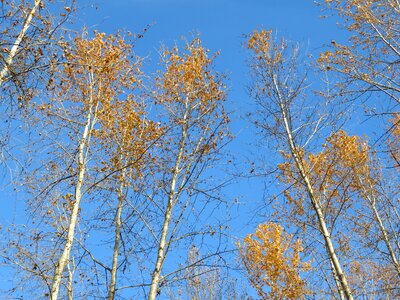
(369, 64)
(29, 38)
(97, 71)
(366, 67)
(191, 95)
(29, 35)
(99, 76)
(278, 88)
(129, 135)
(350, 185)
(11, 53)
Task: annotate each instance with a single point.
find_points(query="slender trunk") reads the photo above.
(385, 236)
(161, 248)
(82, 150)
(314, 201)
(167, 216)
(117, 241)
(70, 288)
(337, 281)
(11, 54)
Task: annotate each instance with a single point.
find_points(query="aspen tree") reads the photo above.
(29, 38)
(86, 90)
(370, 63)
(192, 96)
(278, 87)
(128, 135)
(11, 53)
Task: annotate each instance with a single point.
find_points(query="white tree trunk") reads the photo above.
(337, 282)
(167, 216)
(385, 236)
(315, 203)
(13, 51)
(70, 279)
(117, 241)
(82, 160)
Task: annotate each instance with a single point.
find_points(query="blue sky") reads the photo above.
(221, 25)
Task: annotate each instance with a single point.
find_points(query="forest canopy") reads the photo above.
(124, 175)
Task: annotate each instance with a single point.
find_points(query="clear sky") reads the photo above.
(221, 24)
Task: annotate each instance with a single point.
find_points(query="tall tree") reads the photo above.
(91, 99)
(370, 64)
(11, 53)
(29, 36)
(192, 97)
(30, 32)
(367, 67)
(128, 134)
(279, 88)
(96, 72)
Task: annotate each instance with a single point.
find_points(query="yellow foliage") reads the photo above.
(192, 95)
(189, 77)
(273, 263)
(265, 49)
(373, 26)
(259, 41)
(339, 170)
(344, 160)
(98, 68)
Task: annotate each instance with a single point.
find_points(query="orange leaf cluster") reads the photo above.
(273, 263)
(344, 159)
(374, 50)
(192, 95)
(97, 68)
(189, 77)
(101, 77)
(264, 49)
(125, 129)
(336, 173)
(259, 41)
